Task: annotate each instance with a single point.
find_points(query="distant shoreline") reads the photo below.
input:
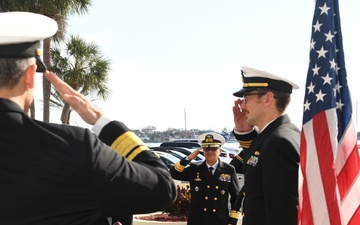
(227, 144)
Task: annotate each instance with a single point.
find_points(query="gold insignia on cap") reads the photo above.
(257, 153)
(255, 85)
(209, 138)
(38, 52)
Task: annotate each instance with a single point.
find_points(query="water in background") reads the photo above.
(227, 144)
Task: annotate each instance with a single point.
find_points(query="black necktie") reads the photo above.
(210, 170)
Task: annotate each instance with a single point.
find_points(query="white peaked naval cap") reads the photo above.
(21, 33)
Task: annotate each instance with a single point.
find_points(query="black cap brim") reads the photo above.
(41, 67)
(24, 50)
(242, 91)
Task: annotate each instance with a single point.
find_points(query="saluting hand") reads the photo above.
(240, 117)
(86, 109)
(194, 154)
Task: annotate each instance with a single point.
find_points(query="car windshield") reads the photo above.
(168, 156)
(177, 154)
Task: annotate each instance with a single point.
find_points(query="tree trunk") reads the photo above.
(46, 83)
(65, 114)
(68, 117)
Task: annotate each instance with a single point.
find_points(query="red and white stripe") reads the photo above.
(329, 183)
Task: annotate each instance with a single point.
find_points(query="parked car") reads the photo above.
(226, 159)
(223, 154)
(191, 145)
(226, 153)
(186, 140)
(185, 151)
(177, 154)
(168, 160)
(233, 151)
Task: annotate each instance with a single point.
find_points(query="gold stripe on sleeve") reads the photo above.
(245, 144)
(128, 145)
(239, 158)
(178, 167)
(234, 214)
(134, 153)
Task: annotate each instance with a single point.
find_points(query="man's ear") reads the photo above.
(269, 96)
(30, 76)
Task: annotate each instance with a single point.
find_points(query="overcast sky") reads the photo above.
(171, 56)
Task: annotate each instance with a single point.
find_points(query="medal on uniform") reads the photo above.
(225, 177)
(196, 188)
(253, 161)
(197, 177)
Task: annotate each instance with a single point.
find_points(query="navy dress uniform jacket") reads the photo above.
(56, 174)
(209, 194)
(270, 164)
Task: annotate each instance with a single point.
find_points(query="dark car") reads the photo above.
(186, 140)
(171, 152)
(182, 150)
(168, 160)
(191, 145)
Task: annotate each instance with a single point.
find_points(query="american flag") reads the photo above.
(329, 182)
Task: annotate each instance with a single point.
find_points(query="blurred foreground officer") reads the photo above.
(211, 182)
(270, 159)
(56, 174)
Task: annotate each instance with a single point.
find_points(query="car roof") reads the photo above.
(167, 156)
(186, 140)
(183, 150)
(181, 144)
(175, 153)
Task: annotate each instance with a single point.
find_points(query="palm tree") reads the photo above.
(57, 10)
(82, 66)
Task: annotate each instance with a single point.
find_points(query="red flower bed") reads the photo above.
(163, 217)
(177, 212)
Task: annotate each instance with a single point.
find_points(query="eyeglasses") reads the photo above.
(210, 148)
(249, 94)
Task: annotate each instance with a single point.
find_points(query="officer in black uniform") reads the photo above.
(211, 183)
(61, 174)
(271, 143)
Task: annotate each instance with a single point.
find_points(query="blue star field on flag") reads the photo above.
(326, 85)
